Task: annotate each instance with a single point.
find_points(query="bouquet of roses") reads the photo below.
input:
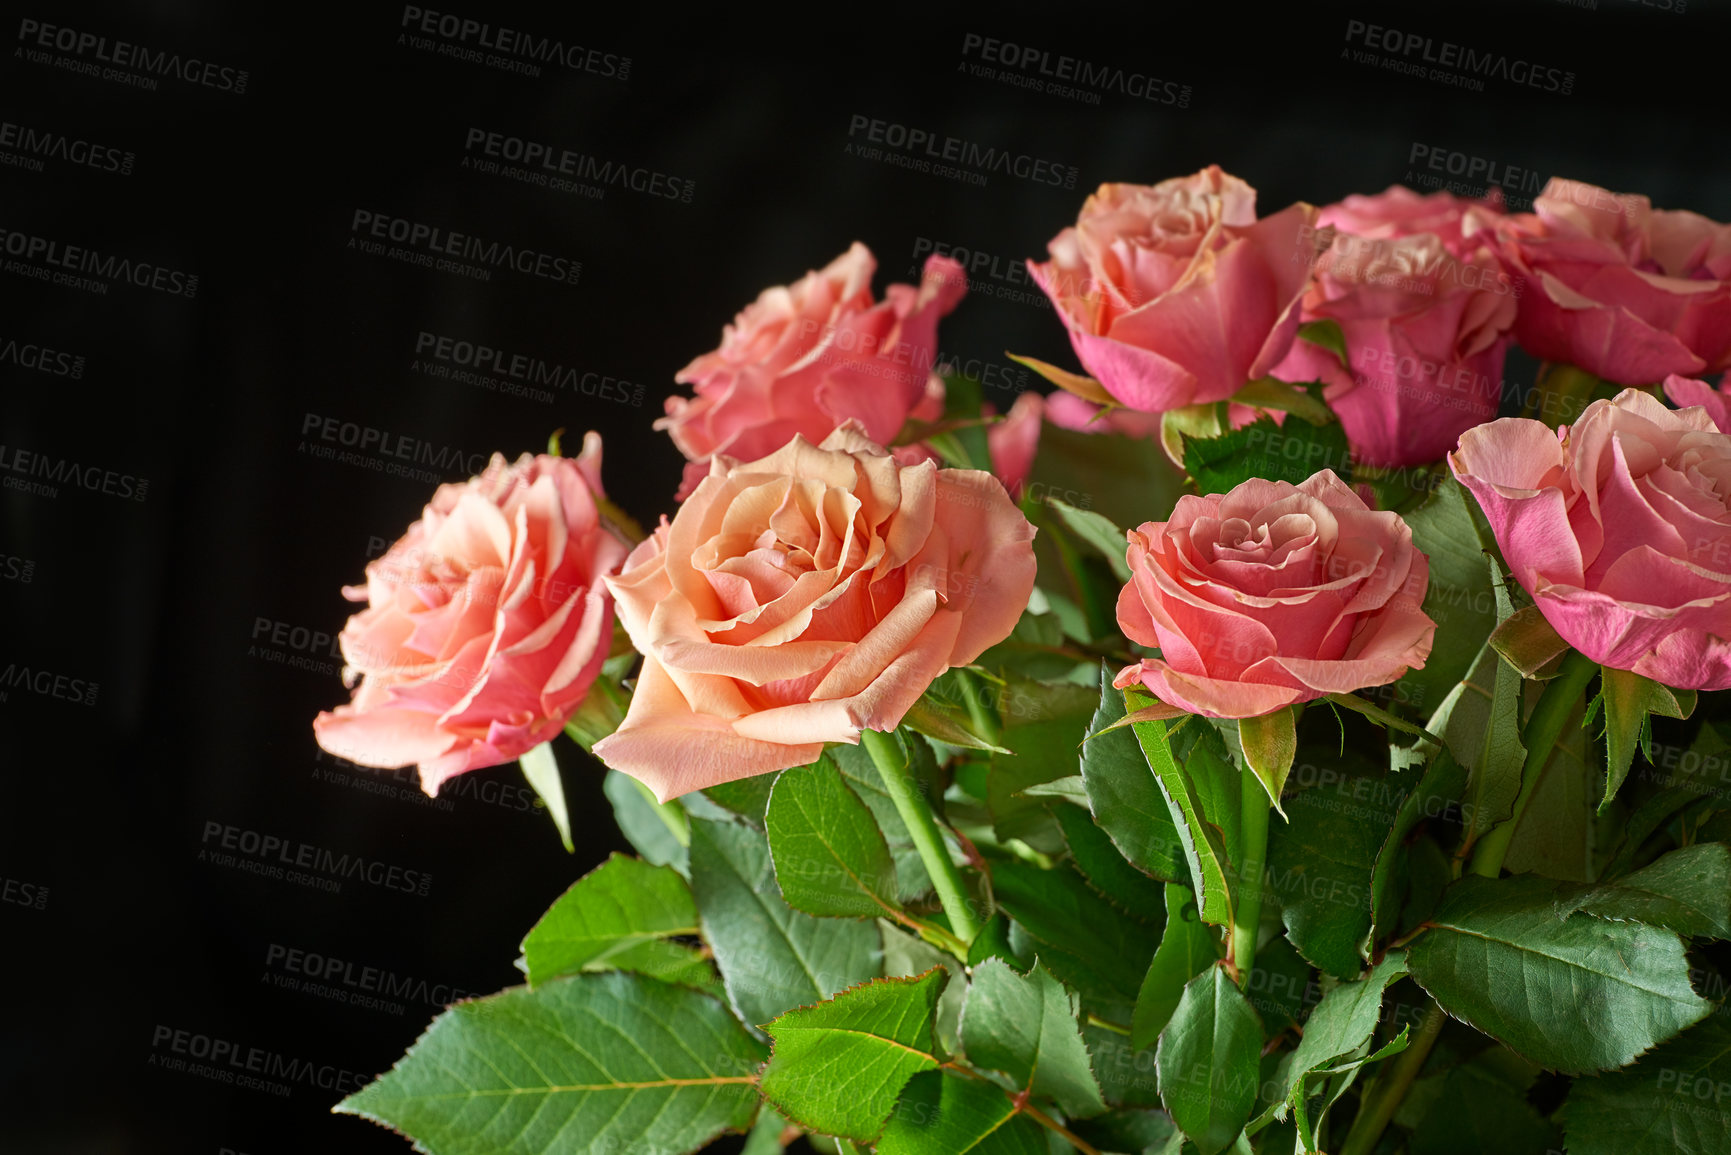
(1253, 745)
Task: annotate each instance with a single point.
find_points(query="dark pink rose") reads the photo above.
(1625, 291)
(807, 357)
(1176, 294)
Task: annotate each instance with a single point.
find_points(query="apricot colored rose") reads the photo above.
(800, 598)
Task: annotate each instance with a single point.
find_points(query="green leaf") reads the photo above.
(1272, 394)
(1126, 480)
(622, 904)
(1098, 532)
(1434, 795)
(659, 831)
(542, 771)
(962, 397)
(1474, 1110)
(1288, 452)
(862, 776)
(590, 1064)
(765, 1137)
(1629, 700)
(1105, 869)
(1527, 641)
(1340, 1026)
(1269, 743)
(830, 858)
(1499, 957)
(1675, 1101)
(1202, 843)
(1320, 867)
(1083, 939)
(1207, 1060)
(772, 957)
(1045, 731)
(1687, 890)
(1458, 599)
(1070, 789)
(1495, 765)
(944, 1114)
(948, 725)
(1328, 335)
(1082, 386)
(1026, 1027)
(746, 797)
(906, 956)
(1281, 987)
(1125, 797)
(837, 1067)
(1186, 948)
(1129, 1130)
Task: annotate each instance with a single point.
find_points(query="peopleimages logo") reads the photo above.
(927, 151)
(23, 463)
(1039, 70)
(267, 854)
(41, 358)
(447, 34)
(471, 358)
(550, 165)
(146, 64)
(1463, 67)
(86, 268)
(426, 244)
(24, 147)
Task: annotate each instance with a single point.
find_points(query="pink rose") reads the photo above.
(1273, 594)
(804, 358)
(799, 599)
(1686, 391)
(1398, 212)
(1015, 440)
(1426, 332)
(1618, 527)
(1625, 291)
(486, 622)
(1177, 295)
(1068, 411)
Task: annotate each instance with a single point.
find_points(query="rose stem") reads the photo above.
(922, 827)
(1543, 729)
(1390, 1086)
(1253, 838)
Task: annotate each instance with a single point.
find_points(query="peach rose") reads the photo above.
(485, 623)
(1627, 292)
(1426, 331)
(798, 599)
(1619, 528)
(1176, 294)
(1273, 594)
(804, 358)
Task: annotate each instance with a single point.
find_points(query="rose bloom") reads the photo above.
(1176, 294)
(1685, 391)
(1618, 527)
(1398, 211)
(1625, 291)
(798, 599)
(485, 623)
(1273, 594)
(804, 358)
(1426, 332)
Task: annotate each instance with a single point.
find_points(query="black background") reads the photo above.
(105, 806)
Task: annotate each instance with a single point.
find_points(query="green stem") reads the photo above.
(1253, 838)
(1562, 694)
(1390, 1086)
(922, 827)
